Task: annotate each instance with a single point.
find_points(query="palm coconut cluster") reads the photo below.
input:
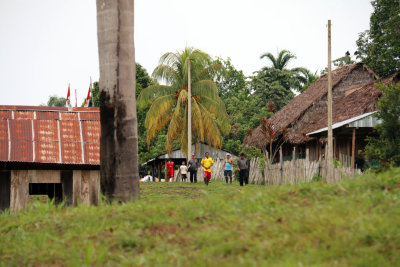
(169, 102)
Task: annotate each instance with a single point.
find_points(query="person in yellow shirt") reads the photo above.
(207, 163)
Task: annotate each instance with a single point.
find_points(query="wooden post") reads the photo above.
(19, 194)
(76, 186)
(294, 163)
(329, 157)
(281, 164)
(91, 90)
(85, 187)
(307, 163)
(76, 99)
(353, 149)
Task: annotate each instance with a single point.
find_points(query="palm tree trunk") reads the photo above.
(119, 141)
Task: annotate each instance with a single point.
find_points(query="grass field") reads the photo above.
(353, 223)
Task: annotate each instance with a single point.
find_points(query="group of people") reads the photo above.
(207, 163)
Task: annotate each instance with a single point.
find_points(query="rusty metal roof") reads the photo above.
(50, 135)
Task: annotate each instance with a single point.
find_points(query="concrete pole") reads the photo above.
(189, 153)
(329, 176)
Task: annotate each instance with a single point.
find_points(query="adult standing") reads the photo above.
(228, 168)
(170, 171)
(207, 163)
(193, 166)
(183, 171)
(243, 167)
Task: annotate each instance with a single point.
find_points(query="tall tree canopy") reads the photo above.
(379, 47)
(55, 101)
(281, 61)
(298, 78)
(168, 103)
(244, 108)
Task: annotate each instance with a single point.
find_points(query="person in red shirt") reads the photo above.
(170, 171)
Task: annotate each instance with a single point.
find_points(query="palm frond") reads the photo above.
(270, 57)
(158, 115)
(166, 73)
(149, 94)
(211, 132)
(211, 71)
(176, 123)
(197, 122)
(205, 88)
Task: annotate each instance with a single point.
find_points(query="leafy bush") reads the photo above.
(385, 147)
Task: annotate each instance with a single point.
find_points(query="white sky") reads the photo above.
(44, 45)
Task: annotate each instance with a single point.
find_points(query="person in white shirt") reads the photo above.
(183, 171)
(147, 178)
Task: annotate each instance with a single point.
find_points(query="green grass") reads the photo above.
(353, 223)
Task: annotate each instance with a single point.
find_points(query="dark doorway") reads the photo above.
(67, 184)
(53, 191)
(5, 187)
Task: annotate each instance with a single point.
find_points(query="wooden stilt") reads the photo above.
(353, 149)
(281, 165)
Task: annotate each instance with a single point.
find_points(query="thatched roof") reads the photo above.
(290, 114)
(357, 100)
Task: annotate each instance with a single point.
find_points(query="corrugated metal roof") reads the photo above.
(367, 121)
(50, 135)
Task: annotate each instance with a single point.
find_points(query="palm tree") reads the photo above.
(168, 103)
(281, 61)
(301, 78)
(119, 170)
(304, 78)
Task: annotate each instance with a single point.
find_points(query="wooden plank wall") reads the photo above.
(85, 185)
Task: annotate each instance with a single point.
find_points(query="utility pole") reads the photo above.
(91, 90)
(329, 158)
(76, 99)
(189, 112)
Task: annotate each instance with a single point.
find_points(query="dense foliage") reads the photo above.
(245, 110)
(385, 147)
(379, 47)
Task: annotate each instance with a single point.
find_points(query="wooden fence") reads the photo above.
(295, 171)
(285, 172)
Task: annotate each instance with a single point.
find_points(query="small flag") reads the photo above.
(88, 97)
(68, 101)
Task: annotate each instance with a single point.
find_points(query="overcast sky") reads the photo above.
(44, 45)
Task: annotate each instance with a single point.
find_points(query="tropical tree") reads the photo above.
(281, 61)
(385, 146)
(304, 78)
(55, 101)
(299, 78)
(379, 47)
(168, 103)
(119, 140)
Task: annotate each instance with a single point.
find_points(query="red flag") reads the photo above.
(68, 100)
(88, 97)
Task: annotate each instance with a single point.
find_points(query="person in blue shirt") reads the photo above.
(228, 168)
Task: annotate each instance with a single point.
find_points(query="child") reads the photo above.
(183, 171)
